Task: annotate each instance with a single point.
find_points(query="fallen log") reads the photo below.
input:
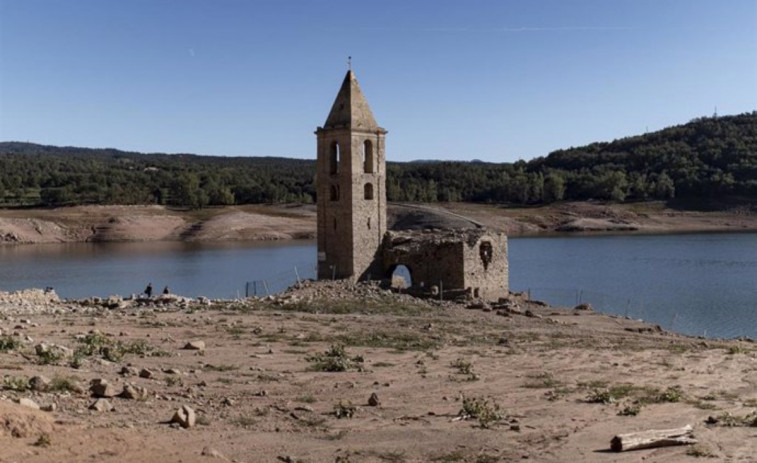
(652, 439)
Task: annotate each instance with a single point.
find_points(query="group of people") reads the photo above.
(148, 290)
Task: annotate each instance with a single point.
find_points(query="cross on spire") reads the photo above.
(349, 63)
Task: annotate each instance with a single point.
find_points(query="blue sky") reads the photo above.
(497, 80)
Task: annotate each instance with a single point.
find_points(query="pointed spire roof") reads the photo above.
(350, 109)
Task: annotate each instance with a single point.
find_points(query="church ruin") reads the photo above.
(353, 240)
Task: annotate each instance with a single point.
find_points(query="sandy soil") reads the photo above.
(565, 381)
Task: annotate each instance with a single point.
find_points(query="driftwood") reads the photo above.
(653, 438)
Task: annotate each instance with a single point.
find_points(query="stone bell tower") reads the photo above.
(350, 188)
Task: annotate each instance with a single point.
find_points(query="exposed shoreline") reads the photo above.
(566, 380)
(283, 222)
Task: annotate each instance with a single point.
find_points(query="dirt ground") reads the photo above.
(274, 222)
(454, 382)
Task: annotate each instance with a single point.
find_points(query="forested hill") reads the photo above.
(708, 158)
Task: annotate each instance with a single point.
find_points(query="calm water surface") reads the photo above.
(704, 284)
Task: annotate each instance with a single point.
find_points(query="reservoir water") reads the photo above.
(701, 284)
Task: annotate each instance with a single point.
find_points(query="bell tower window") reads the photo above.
(334, 158)
(368, 161)
(368, 191)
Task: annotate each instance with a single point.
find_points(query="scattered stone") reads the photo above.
(213, 453)
(373, 400)
(102, 388)
(134, 392)
(28, 403)
(195, 345)
(49, 407)
(227, 402)
(39, 383)
(128, 371)
(172, 371)
(503, 341)
(102, 405)
(584, 306)
(185, 417)
(531, 314)
(145, 373)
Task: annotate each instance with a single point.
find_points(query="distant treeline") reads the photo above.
(708, 158)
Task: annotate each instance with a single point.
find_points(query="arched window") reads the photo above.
(334, 158)
(368, 190)
(334, 192)
(368, 157)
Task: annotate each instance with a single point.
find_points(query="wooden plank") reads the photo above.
(652, 439)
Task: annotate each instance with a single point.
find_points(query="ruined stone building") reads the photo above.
(353, 241)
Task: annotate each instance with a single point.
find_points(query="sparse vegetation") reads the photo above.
(465, 368)
(485, 410)
(15, 383)
(700, 450)
(63, 384)
(344, 409)
(9, 343)
(43, 440)
(335, 359)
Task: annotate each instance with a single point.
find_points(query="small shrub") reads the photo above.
(174, 380)
(63, 384)
(542, 380)
(43, 440)
(700, 450)
(48, 357)
(344, 409)
(15, 383)
(464, 367)
(669, 395)
(335, 359)
(9, 343)
(610, 395)
(630, 410)
(486, 411)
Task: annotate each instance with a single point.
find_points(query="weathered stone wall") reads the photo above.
(486, 267)
(450, 260)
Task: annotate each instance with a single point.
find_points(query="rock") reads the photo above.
(41, 348)
(195, 345)
(172, 371)
(213, 453)
(49, 407)
(373, 400)
(227, 402)
(185, 417)
(39, 383)
(532, 315)
(134, 392)
(585, 306)
(102, 405)
(145, 373)
(128, 371)
(102, 388)
(503, 341)
(28, 403)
